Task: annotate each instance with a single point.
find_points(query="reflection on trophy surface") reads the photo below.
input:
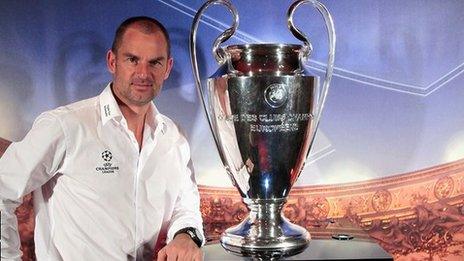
(263, 109)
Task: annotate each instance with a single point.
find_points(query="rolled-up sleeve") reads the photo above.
(24, 167)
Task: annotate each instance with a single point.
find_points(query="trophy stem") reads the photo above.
(265, 233)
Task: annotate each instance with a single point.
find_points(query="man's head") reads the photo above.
(139, 60)
(146, 24)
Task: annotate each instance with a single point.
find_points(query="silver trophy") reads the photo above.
(263, 109)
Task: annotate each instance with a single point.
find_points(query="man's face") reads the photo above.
(139, 66)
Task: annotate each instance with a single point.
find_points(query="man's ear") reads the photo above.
(169, 64)
(111, 61)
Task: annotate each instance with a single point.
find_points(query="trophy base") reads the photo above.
(265, 234)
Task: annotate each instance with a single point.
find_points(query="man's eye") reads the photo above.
(155, 63)
(132, 59)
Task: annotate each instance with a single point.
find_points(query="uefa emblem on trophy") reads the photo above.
(263, 109)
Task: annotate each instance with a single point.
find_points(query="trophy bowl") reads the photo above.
(263, 109)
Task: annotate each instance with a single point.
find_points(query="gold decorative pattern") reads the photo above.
(308, 211)
(381, 200)
(3, 145)
(443, 188)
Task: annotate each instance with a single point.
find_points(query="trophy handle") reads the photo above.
(219, 53)
(307, 49)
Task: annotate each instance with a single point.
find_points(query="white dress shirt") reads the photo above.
(97, 196)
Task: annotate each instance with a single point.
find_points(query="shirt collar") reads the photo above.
(154, 118)
(109, 109)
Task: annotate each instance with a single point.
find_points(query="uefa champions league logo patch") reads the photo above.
(107, 167)
(106, 155)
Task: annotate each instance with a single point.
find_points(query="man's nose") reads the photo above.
(142, 70)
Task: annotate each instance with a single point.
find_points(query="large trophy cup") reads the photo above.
(263, 109)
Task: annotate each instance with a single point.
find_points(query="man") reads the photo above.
(111, 175)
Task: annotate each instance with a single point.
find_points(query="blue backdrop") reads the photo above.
(395, 104)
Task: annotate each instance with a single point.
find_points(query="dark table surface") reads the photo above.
(318, 249)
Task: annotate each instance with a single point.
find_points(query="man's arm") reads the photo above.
(186, 214)
(187, 209)
(25, 166)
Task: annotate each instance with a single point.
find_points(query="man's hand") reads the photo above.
(180, 248)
